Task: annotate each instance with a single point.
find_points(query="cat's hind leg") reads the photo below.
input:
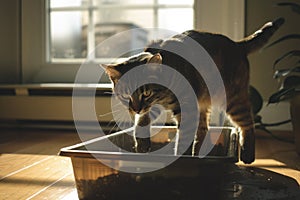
(240, 113)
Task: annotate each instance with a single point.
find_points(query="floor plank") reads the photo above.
(37, 178)
(35, 141)
(59, 190)
(277, 155)
(14, 163)
(30, 167)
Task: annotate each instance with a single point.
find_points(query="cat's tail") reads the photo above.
(258, 39)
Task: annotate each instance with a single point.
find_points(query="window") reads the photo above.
(45, 60)
(76, 27)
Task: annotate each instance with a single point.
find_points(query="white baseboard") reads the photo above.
(20, 105)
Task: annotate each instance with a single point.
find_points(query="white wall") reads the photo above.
(257, 13)
(221, 16)
(9, 41)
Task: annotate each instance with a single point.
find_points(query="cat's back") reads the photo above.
(212, 42)
(221, 48)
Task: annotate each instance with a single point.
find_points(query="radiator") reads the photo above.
(49, 104)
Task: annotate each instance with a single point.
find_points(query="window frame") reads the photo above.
(34, 36)
(90, 9)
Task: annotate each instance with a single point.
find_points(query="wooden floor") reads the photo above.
(276, 155)
(31, 169)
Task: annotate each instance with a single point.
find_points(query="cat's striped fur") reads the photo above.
(231, 59)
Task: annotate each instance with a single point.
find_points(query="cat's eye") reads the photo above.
(147, 93)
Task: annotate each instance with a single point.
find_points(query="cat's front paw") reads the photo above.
(143, 145)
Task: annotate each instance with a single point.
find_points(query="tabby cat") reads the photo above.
(231, 60)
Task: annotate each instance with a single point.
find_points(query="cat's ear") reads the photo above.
(154, 67)
(156, 58)
(111, 71)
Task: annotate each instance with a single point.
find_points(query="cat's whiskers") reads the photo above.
(122, 117)
(111, 121)
(117, 104)
(112, 129)
(109, 113)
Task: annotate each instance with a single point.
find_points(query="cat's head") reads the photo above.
(115, 71)
(138, 100)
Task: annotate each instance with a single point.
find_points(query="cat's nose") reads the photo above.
(137, 110)
(135, 106)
